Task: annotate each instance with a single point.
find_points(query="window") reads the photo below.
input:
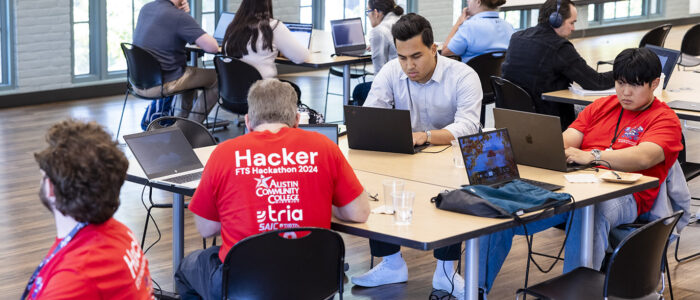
(321, 12)
(306, 11)
(520, 19)
(100, 26)
(622, 10)
(6, 49)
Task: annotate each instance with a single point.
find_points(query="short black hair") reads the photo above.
(636, 66)
(411, 25)
(550, 6)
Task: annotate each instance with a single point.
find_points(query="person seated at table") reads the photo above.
(478, 30)
(540, 59)
(257, 38)
(93, 256)
(382, 14)
(631, 131)
(444, 98)
(164, 27)
(239, 194)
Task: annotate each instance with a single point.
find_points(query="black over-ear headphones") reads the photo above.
(555, 18)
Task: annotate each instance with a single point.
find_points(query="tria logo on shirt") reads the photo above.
(275, 159)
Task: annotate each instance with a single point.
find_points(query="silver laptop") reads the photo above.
(166, 157)
(302, 32)
(332, 131)
(224, 20)
(536, 139)
(349, 37)
(668, 58)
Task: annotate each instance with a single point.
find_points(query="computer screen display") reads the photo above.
(224, 20)
(488, 157)
(302, 32)
(162, 152)
(347, 32)
(329, 130)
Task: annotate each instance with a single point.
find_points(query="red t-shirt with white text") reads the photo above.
(103, 261)
(657, 124)
(264, 181)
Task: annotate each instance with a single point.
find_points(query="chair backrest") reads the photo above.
(487, 65)
(196, 133)
(636, 265)
(509, 95)
(235, 78)
(143, 70)
(271, 266)
(656, 36)
(691, 41)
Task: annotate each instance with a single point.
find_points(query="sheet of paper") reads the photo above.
(578, 90)
(581, 178)
(382, 210)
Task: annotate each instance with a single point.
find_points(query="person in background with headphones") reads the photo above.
(478, 30)
(444, 98)
(540, 59)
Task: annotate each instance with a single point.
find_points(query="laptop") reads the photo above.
(380, 129)
(224, 20)
(332, 131)
(536, 139)
(668, 58)
(349, 37)
(685, 105)
(489, 160)
(166, 157)
(302, 32)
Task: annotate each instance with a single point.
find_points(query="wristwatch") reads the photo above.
(427, 132)
(596, 154)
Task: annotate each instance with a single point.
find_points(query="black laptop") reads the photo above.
(536, 139)
(489, 160)
(349, 37)
(668, 58)
(380, 129)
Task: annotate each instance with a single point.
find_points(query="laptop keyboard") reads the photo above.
(184, 178)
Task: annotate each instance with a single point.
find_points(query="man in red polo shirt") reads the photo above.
(94, 255)
(277, 176)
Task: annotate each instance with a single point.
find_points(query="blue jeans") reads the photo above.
(199, 275)
(494, 248)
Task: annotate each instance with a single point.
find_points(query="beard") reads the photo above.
(42, 196)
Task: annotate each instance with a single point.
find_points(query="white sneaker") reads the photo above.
(382, 274)
(442, 282)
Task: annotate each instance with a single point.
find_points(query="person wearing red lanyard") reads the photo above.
(630, 131)
(94, 255)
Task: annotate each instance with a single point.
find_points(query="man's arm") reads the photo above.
(632, 159)
(382, 94)
(468, 96)
(355, 211)
(437, 137)
(207, 228)
(207, 43)
(572, 138)
(576, 69)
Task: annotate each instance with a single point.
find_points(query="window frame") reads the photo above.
(7, 50)
(318, 12)
(599, 10)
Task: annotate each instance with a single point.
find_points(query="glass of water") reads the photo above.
(403, 207)
(391, 186)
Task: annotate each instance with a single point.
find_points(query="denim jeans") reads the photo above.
(494, 248)
(199, 275)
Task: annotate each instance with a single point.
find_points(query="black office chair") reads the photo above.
(656, 37)
(198, 136)
(355, 73)
(235, 78)
(487, 65)
(143, 72)
(509, 95)
(690, 47)
(635, 269)
(272, 266)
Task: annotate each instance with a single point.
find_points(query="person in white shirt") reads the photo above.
(256, 38)
(382, 14)
(444, 97)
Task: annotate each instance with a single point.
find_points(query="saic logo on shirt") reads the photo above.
(272, 219)
(277, 191)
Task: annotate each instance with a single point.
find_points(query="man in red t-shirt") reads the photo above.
(631, 131)
(277, 176)
(94, 255)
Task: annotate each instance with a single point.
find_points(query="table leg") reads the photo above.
(178, 229)
(346, 84)
(471, 269)
(587, 236)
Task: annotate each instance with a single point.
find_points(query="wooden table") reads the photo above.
(427, 174)
(322, 56)
(683, 85)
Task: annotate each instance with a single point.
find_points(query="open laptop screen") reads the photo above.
(329, 130)
(224, 20)
(668, 58)
(348, 32)
(163, 152)
(488, 157)
(302, 32)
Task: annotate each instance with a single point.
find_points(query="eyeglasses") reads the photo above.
(367, 12)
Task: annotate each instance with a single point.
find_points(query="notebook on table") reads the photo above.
(489, 160)
(349, 37)
(380, 129)
(166, 157)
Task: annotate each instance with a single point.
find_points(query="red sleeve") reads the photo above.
(69, 285)
(346, 186)
(665, 132)
(203, 201)
(585, 117)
